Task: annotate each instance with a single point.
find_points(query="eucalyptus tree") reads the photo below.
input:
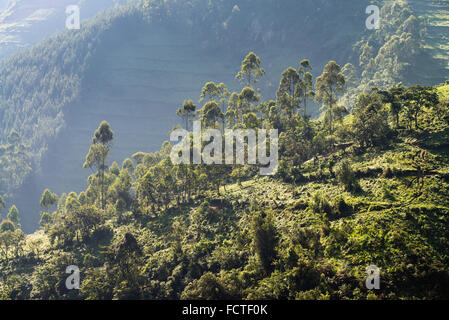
(2, 205)
(328, 86)
(286, 92)
(251, 70)
(295, 87)
(128, 165)
(289, 79)
(218, 93)
(393, 97)
(187, 112)
(209, 92)
(98, 152)
(246, 100)
(369, 125)
(304, 88)
(114, 169)
(232, 113)
(13, 215)
(210, 114)
(48, 199)
(223, 95)
(416, 99)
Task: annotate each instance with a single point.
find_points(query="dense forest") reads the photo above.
(353, 189)
(362, 178)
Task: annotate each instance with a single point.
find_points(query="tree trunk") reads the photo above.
(305, 107)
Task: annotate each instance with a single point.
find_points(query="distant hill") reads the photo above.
(26, 22)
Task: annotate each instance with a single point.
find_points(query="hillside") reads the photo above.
(163, 64)
(370, 188)
(358, 124)
(134, 67)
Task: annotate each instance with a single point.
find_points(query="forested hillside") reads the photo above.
(354, 188)
(134, 65)
(87, 176)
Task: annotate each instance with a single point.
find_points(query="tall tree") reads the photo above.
(98, 152)
(13, 215)
(265, 239)
(2, 205)
(416, 98)
(285, 94)
(369, 126)
(48, 199)
(393, 96)
(128, 164)
(209, 92)
(250, 71)
(304, 88)
(328, 86)
(232, 113)
(187, 112)
(219, 93)
(211, 113)
(246, 100)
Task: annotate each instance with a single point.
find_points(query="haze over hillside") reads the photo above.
(134, 67)
(25, 22)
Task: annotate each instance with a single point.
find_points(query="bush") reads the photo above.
(208, 287)
(320, 204)
(341, 208)
(346, 176)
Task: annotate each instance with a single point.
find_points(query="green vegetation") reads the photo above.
(352, 190)
(152, 55)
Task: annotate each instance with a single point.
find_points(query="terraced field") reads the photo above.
(436, 16)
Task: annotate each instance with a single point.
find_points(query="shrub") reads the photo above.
(319, 203)
(208, 287)
(346, 176)
(341, 207)
(387, 172)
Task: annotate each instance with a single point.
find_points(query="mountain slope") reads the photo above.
(436, 16)
(134, 66)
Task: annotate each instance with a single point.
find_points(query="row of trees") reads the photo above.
(158, 182)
